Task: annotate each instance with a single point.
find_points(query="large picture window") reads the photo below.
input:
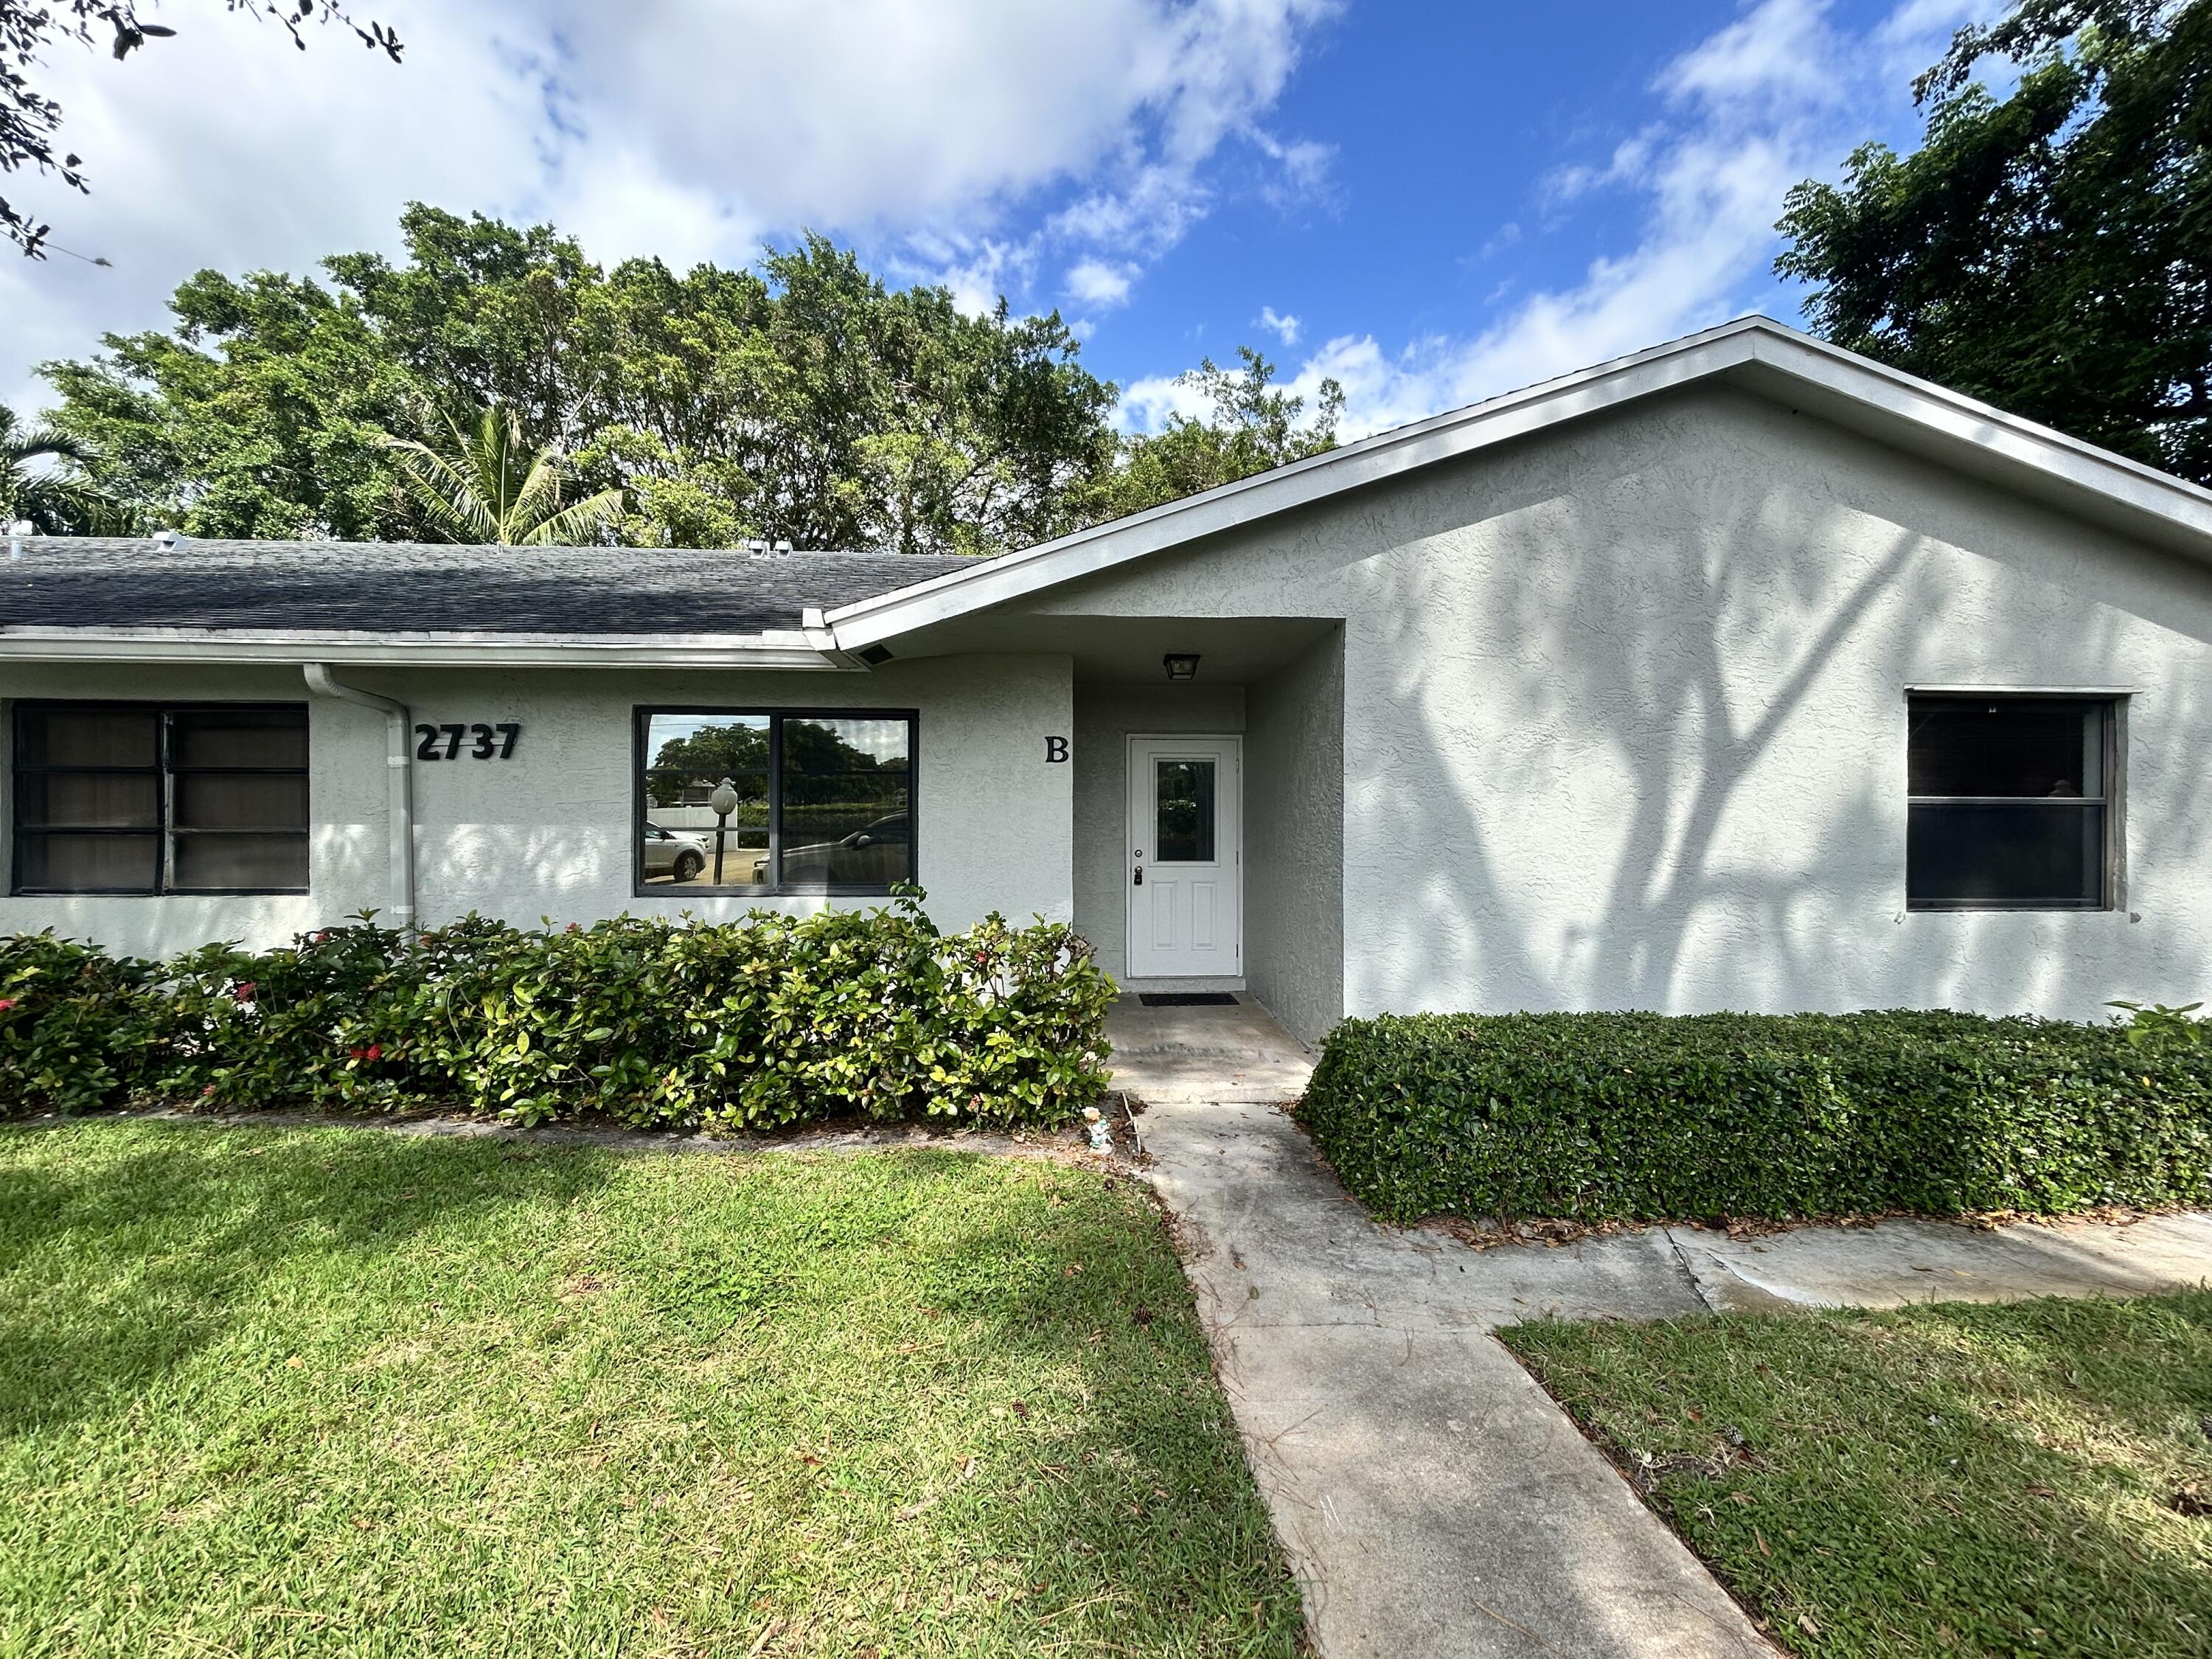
(144, 797)
(2011, 801)
(737, 802)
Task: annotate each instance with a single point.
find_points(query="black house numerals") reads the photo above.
(443, 743)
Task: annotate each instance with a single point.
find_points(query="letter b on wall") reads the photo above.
(1055, 750)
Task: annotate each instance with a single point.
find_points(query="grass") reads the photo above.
(1949, 1478)
(336, 1390)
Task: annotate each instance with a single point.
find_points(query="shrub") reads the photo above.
(75, 1025)
(770, 1022)
(1648, 1117)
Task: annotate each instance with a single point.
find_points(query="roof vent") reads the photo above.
(783, 547)
(169, 540)
(16, 532)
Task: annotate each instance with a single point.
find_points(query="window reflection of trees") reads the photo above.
(842, 808)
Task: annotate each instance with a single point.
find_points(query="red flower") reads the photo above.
(6, 1003)
(374, 1051)
(244, 990)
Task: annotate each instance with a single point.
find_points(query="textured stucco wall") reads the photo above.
(548, 832)
(1294, 839)
(1626, 720)
(1105, 718)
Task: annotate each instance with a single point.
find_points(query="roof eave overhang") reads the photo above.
(1973, 437)
(1760, 354)
(804, 651)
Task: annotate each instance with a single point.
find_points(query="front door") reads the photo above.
(1186, 856)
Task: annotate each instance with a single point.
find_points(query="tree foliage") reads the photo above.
(42, 482)
(2048, 250)
(1251, 427)
(488, 486)
(29, 119)
(801, 401)
(722, 751)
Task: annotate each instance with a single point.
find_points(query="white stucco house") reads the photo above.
(1740, 673)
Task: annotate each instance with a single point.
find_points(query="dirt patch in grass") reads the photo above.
(333, 1390)
(1951, 1479)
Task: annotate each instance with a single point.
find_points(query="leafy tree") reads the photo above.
(2050, 250)
(41, 482)
(1251, 428)
(29, 119)
(491, 487)
(262, 414)
(801, 401)
(716, 751)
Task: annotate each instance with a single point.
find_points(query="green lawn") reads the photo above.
(1943, 1480)
(336, 1390)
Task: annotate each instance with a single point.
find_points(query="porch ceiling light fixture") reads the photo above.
(1181, 665)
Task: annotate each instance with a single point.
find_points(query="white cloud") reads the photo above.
(225, 147)
(1146, 404)
(1098, 283)
(1285, 329)
(1779, 56)
(978, 270)
(1777, 95)
(969, 138)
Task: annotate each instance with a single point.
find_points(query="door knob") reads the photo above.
(1141, 875)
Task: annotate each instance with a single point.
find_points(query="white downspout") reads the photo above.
(399, 783)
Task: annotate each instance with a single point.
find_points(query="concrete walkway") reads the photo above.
(1432, 1498)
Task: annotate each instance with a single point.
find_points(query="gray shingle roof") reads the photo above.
(413, 588)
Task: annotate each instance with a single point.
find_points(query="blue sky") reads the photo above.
(1433, 202)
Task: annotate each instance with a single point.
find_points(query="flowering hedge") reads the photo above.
(772, 1021)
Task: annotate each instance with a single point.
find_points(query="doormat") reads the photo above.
(1185, 998)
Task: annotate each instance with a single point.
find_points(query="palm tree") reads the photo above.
(53, 498)
(491, 486)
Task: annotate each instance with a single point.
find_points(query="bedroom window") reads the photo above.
(146, 797)
(756, 802)
(2010, 803)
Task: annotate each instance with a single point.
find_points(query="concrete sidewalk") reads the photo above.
(1431, 1498)
(1897, 1262)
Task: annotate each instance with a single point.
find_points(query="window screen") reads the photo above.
(2009, 802)
(776, 801)
(137, 797)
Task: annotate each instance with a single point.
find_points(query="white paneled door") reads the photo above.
(1186, 856)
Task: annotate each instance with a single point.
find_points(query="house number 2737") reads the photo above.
(485, 742)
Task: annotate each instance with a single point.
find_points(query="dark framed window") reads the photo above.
(160, 798)
(2011, 802)
(756, 802)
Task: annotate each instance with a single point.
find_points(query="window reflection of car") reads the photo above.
(873, 857)
(668, 853)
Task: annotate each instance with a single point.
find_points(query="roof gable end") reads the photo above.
(1753, 352)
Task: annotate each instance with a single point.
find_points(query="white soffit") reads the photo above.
(1762, 355)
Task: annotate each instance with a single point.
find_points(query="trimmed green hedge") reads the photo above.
(1651, 1117)
(772, 1021)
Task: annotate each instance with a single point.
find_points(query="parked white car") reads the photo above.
(668, 853)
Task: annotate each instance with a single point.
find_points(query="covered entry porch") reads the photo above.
(1208, 806)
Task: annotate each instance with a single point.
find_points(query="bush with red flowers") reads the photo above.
(772, 1021)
